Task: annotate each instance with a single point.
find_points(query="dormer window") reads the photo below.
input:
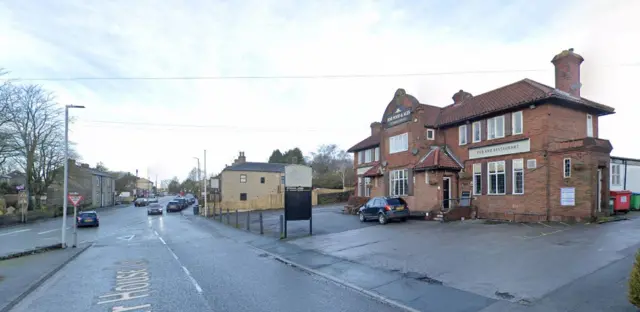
(431, 134)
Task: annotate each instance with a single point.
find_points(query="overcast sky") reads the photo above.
(158, 126)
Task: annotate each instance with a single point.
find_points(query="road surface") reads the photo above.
(165, 263)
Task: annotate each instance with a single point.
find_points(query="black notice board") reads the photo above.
(297, 203)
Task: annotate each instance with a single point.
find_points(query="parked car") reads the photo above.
(154, 208)
(87, 218)
(384, 209)
(141, 202)
(182, 201)
(173, 206)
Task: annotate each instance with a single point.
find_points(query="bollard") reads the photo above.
(228, 217)
(261, 227)
(281, 226)
(220, 214)
(248, 221)
(237, 224)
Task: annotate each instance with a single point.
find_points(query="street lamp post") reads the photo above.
(66, 176)
(204, 183)
(198, 173)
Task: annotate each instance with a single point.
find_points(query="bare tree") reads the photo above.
(332, 167)
(35, 127)
(7, 101)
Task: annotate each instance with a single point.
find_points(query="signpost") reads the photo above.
(23, 202)
(297, 195)
(75, 199)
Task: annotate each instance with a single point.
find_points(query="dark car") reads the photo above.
(87, 218)
(384, 209)
(173, 206)
(154, 208)
(182, 201)
(141, 202)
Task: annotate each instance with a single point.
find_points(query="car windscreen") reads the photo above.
(395, 201)
(173, 202)
(155, 205)
(87, 215)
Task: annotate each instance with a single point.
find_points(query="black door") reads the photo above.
(446, 192)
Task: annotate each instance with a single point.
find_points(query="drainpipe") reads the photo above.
(625, 175)
(548, 166)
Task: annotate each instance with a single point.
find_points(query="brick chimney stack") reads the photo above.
(376, 127)
(567, 65)
(241, 159)
(460, 96)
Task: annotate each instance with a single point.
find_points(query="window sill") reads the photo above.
(502, 194)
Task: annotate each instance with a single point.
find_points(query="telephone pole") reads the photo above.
(204, 183)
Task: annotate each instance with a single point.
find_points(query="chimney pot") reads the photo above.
(567, 71)
(460, 96)
(376, 127)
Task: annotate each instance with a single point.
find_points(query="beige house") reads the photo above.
(143, 185)
(252, 185)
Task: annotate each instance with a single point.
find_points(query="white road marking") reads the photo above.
(162, 240)
(156, 233)
(49, 231)
(173, 254)
(544, 224)
(193, 281)
(15, 232)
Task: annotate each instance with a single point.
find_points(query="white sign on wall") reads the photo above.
(514, 147)
(362, 170)
(568, 196)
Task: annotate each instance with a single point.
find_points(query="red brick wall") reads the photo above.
(568, 124)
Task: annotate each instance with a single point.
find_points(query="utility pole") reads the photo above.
(156, 194)
(204, 183)
(66, 176)
(197, 175)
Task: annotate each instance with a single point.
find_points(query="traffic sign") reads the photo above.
(75, 198)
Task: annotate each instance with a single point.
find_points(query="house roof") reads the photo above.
(438, 158)
(373, 171)
(257, 166)
(371, 141)
(514, 95)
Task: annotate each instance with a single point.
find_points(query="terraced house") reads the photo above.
(523, 152)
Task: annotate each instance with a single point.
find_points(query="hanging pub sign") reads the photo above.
(399, 116)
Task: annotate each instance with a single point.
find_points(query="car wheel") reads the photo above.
(382, 219)
(404, 219)
(362, 218)
(98, 225)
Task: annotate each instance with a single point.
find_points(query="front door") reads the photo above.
(446, 192)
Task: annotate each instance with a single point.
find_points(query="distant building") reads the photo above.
(625, 174)
(252, 185)
(96, 187)
(17, 178)
(143, 186)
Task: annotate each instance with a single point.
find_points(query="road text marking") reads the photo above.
(15, 232)
(132, 282)
(127, 237)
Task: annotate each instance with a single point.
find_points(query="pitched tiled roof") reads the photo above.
(519, 93)
(257, 166)
(437, 158)
(374, 171)
(371, 141)
(431, 113)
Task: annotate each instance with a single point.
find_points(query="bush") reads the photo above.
(634, 282)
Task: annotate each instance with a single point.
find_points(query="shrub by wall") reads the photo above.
(333, 198)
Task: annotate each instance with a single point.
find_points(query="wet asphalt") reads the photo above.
(165, 263)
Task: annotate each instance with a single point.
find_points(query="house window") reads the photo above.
(281, 179)
(399, 182)
(367, 184)
(426, 177)
(516, 123)
(497, 178)
(360, 157)
(518, 176)
(243, 178)
(431, 134)
(589, 125)
(477, 179)
(615, 174)
(243, 196)
(368, 156)
(567, 167)
(462, 135)
(377, 154)
(399, 143)
(477, 131)
(495, 127)
(262, 180)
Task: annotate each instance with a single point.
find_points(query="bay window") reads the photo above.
(399, 182)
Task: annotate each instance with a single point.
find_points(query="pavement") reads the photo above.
(169, 263)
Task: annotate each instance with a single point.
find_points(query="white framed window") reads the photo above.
(426, 177)
(517, 123)
(360, 157)
(477, 179)
(615, 174)
(517, 166)
(431, 134)
(360, 186)
(496, 178)
(589, 125)
(367, 186)
(398, 182)
(566, 167)
(495, 127)
(377, 154)
(399, 143)
(531, 164)
(243, 178)
(476, 128)
(368, 156)
(462, 135)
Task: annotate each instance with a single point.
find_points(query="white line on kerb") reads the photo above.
(193, 281)
(162, 240)
(14, 232)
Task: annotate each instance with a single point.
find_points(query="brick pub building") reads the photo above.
(524, 152)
